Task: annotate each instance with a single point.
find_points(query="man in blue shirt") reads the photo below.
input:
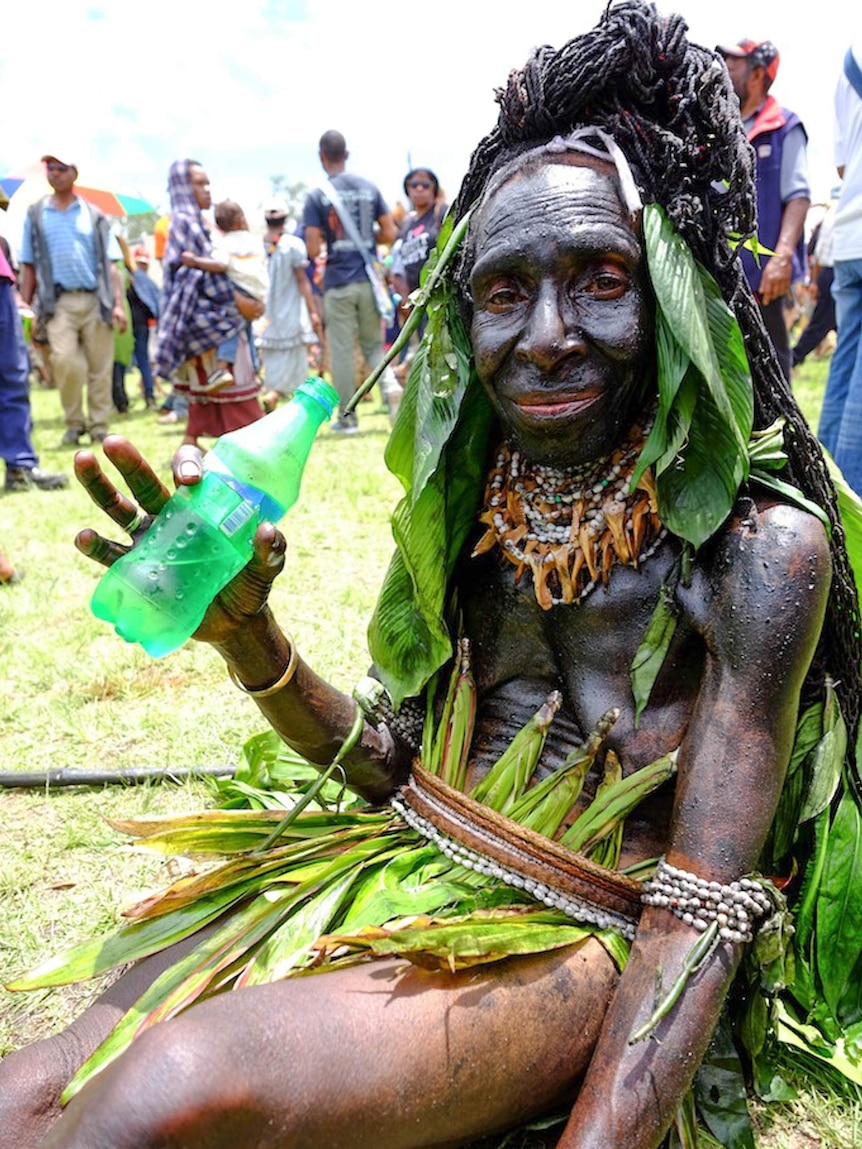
(781, 176)
(68, 258)
(348, 299)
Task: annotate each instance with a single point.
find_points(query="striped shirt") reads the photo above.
(71, 245)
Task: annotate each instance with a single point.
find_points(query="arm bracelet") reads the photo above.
(280, 682)
(697, 902)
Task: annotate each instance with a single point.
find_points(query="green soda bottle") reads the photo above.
(158, 593)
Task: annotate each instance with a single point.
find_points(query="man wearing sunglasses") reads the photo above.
(68, 258)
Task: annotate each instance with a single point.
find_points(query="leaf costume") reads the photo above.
(344, 882)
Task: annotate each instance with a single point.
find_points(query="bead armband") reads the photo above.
(280, 682)
(697, 902)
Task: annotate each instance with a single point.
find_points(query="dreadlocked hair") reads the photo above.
(669, 105)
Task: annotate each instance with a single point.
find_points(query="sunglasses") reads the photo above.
(58, 167)
(426, 184)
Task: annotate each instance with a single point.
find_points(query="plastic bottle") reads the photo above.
(158, 593)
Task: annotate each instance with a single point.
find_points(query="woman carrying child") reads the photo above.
(200, 310)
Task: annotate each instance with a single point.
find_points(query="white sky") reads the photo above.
(248, 87)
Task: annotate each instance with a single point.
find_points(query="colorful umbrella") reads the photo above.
(33, 187)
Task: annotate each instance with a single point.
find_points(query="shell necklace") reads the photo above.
(570, 525)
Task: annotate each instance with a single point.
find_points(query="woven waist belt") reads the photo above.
(490, 843)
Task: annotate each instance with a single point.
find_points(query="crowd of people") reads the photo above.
(592, 577)
(236, 321)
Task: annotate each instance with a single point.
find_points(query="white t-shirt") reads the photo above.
(847, 150)
(246, 263)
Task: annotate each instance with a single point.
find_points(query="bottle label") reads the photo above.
(254, 501)
(238, 518)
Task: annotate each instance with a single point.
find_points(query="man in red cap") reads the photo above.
(68, 257)
(783, 193)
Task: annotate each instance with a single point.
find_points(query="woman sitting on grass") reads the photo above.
(580, 549)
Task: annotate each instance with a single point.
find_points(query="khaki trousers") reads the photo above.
(351, 315)
(82, 353)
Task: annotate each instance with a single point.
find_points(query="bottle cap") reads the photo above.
(323, 392)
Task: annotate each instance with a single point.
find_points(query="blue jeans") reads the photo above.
(16, 445)
(840, 428)
(227, 350)
(142, 359)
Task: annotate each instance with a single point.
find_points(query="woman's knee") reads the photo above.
(31, 1082)
(176, 1084)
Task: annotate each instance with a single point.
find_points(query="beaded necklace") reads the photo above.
(570, 525)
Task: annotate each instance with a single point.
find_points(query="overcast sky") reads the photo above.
(249, 87)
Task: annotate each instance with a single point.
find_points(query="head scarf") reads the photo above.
(197, 310)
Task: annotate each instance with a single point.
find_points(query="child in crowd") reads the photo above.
(293, 321)
(239, 255)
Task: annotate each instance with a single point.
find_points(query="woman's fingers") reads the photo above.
(246, 595)
(143, 482)
(148, 490)
(269, 550)
(96, 547)
(187, 465)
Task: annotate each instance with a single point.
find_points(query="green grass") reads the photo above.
(74, 695)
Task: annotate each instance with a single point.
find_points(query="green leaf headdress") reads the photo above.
(439, 446)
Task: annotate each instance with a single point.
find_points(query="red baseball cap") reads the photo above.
(762, 54)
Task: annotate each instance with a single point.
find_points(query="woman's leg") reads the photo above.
(379, 1056)
(33, 1078)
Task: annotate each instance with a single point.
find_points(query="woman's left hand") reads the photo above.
(244, 597)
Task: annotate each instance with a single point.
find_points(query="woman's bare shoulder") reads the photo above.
(764, 578)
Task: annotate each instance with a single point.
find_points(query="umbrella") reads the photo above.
(33, 187)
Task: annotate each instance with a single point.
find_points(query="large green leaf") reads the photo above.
(827, 760)
(480, 938)
(701, 322)
(404, 643)
(650, 655)
(438, 380)
(839, 904)
(699, 440)
(127, 944)
(806, 904)
(289, 947)
(408, 636)
(734, 373)
(719, 1090)
(236, 831)
(398, 888)
(810, 1040)
(697, 488)
(672, 418)
(272, 776)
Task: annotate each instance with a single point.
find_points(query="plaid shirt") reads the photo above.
(197, 310)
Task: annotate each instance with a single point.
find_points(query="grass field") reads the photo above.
(74, 695)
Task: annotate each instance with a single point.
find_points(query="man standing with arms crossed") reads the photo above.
(68, 258)
(348, 299)
(781, 176)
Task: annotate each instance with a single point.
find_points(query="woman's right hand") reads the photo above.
(242, 599)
